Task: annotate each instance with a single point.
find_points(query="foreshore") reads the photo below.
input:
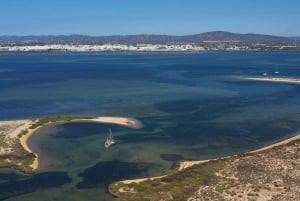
(23, 141)
(182, 165)
(17, 127)
(280, 143)
(186, 164)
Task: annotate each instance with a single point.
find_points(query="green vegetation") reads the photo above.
(18, 162)
(46, 120)
(177, 186)
(250, 168)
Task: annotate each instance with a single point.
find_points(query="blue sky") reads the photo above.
(121, 17)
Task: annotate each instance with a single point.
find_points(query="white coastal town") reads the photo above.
(144, 47)
(104, 47)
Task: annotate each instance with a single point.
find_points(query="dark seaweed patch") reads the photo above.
(171, 157)
(104, 173)
(9, 176)
(31, 184)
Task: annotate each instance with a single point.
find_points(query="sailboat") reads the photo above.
(109, 140)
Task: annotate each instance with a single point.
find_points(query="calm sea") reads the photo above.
(192, 105)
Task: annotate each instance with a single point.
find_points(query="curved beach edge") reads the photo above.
(182, 165)
(24, 140)
(122, 121)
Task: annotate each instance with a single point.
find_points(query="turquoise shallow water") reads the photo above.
(192, 107)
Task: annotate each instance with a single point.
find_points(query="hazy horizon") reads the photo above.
(162, 34)
(133, 17)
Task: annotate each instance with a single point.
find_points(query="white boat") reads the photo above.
(276, 71)
(265, 74)
(109, 140)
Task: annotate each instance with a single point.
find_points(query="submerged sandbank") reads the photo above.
(186, 164)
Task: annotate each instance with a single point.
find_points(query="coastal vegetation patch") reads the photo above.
(177, 186)
(47, 120)
(12, 153)
(271, 172)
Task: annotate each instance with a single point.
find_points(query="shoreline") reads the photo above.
(135, 124)
(186, 164)
(122, 121)
(24, 140)
(276, 144)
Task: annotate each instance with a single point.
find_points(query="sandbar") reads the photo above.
(274, 79)
(122, 121)
(26, 124)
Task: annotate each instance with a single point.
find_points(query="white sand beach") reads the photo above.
(23, 141)
(122, 121)
(274, 79)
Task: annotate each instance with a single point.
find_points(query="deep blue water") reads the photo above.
(192, 105)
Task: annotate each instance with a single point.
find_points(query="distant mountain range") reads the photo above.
(203, 38)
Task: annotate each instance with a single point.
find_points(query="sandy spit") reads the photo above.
(274, 79)
(123, 121)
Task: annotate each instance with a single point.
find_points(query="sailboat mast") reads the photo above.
(109, 140)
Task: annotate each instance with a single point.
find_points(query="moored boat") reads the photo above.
(109, 140)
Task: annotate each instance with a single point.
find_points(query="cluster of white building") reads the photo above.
(105, 47)
(141, 47)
